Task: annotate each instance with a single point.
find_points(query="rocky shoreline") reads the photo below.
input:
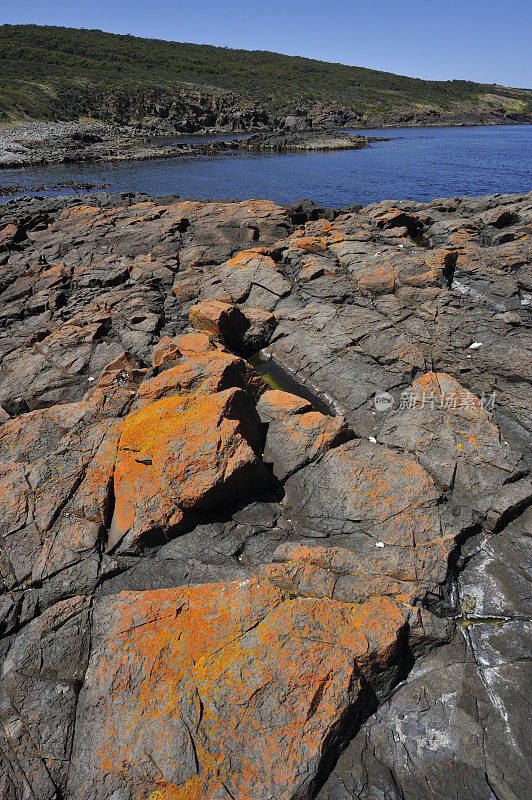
(214, 587)
(43, 143)
(39, 144)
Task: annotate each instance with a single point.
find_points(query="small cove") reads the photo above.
(417, 164)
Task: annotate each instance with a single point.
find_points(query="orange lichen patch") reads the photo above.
(514, 250)
(463, 238)
(296, 434)
(468, 420)
(378, 277)
(144, 204)
(353, 581)
(168, 637)
(310, 272)
(70, 538)
(379, 620)
(93, 496)
(262, 208)
(448, 393)
(301, 579)
(193, 789)
(319, 228)
(216, 318)
(391, 495)
(195, 343)
(184, 209)
(21, 437)
(313, 267)
(246, 257)
(168, 352)
(53, 276)
(408, 353)
(254, 278)
(390, 218)
(11, 234)
(206, 315)
(472, 260)
(178, 453)
(165, 352)
(340, 560)
(455, 438)
(199, 372)
(313, 430)
(275, 403)
(75, 212)
(374, 276)
(8, 231)
(227, 684)
(378, 493)
(81, 217)
(426, 272)
(310, 244)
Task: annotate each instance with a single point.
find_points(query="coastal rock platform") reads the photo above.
(265, 478)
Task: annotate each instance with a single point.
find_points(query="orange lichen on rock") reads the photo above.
(451, 432)
(246, 257)
(341, 574)
(315, 236)
(213, 316)
(447, 392)
(199, 372)
(274, 403)
(391, 486)
(184, 452)
(224, 686)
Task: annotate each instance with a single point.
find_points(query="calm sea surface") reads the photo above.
(418, 164)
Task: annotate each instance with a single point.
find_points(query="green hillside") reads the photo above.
(45, 70)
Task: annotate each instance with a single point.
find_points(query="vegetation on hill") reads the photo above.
(43, 69)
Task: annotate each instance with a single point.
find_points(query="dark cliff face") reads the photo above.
(189, 110)
(186, 109)
(211, 585)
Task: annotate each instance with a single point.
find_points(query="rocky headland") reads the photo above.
(265, 482)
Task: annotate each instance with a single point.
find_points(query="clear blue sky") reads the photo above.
(482, 40)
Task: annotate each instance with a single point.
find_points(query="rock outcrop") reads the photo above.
(307, 140)
(297, 577)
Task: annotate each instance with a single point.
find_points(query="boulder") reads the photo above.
(296, 435)
(182, 453)
(242, 330)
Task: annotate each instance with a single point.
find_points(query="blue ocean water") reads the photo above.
(418, 164)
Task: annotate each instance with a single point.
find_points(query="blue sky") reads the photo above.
(481, 40)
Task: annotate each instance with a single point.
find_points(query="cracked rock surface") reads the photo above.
(264, 479)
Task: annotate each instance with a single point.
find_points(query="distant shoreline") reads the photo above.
(43, 143)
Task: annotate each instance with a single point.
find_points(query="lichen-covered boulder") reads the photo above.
(222, 691)
(182, 453)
